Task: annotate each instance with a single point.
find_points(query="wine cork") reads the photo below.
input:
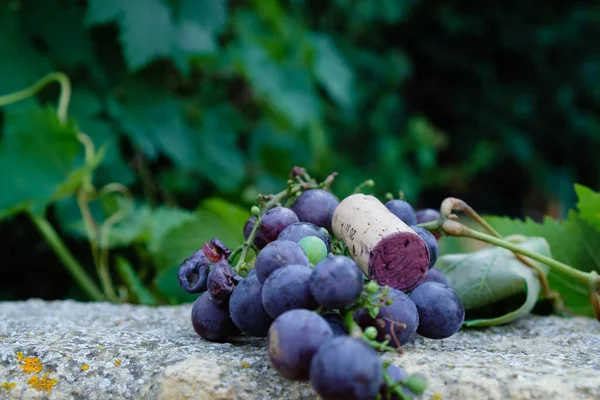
(386, 249)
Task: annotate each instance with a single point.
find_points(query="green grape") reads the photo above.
(314, 248)
(371, 332)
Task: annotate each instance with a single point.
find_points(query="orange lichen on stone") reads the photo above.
(43, 383)
(245, 364)
(117, 363)
(436, 396)
(8, 386)
(31, 365)
(84, 367)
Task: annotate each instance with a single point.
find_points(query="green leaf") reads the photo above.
(209, 14)
(215, 153)
(191, 38)
(588, 205)
(40, 152)
(67, 42)
(87, 108)
(164, 219)
(152, 119)
(133, 282)
(490, 275)
(145, 27)
(149, 32)
(167, 284)
(275, 150)
(20, 64)
(286, 87)
(572, 241)
(333, 72)
(214, 218)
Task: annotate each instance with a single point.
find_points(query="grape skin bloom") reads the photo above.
(288, 288)
(294, 338)
(441, 313)
(346, 368)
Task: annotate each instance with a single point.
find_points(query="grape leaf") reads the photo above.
(67, 42)
(332, 71)
(287, 88)
(214, 149)
(86, 108)
(191, 38)
(20, 64)
(164, 219)
(166, 284)
(588, 205)
(145, 27)
(492, 274)
(214, 218)
(210, 14)
(152, 119)
(148, 31)
(42, 154)
(572, 241)
(133, 282)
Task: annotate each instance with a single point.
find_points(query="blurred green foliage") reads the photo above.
(217, 99)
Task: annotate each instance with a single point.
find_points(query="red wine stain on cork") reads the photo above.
(400, 261)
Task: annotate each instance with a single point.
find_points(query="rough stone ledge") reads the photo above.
(105, 351)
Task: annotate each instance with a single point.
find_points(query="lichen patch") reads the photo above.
(42, 383)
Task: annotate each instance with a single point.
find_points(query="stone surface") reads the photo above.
(70, 350)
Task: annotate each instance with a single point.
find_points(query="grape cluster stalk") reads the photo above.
(325, 319)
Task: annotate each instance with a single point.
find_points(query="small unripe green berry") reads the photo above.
(371, 332)
(255, 211)
(416, 384)
(314, 248)
(372, 287)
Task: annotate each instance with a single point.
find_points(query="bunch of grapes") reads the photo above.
(325, 321)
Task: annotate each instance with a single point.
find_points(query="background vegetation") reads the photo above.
(203, 104)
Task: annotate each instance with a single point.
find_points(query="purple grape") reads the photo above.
(276, 255)
(210, 320)
(293, 339)
(402, 210)
(246, 308)
(221, 281)
(316, 206)
(441, 313)
(346, 368)
(299, 230)
(259, 240)
(336, 323)
(215, 250)
(430, 241)
(274, 221)
(400, 318)
(336, 282)
(286, 289)
(427, 215)
(435, 275)
(193, 273)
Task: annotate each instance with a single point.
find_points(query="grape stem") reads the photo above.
(62, 252)
(395, 387)
(356, 332)
(452, 203)
(448, 225)
(305, 182)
